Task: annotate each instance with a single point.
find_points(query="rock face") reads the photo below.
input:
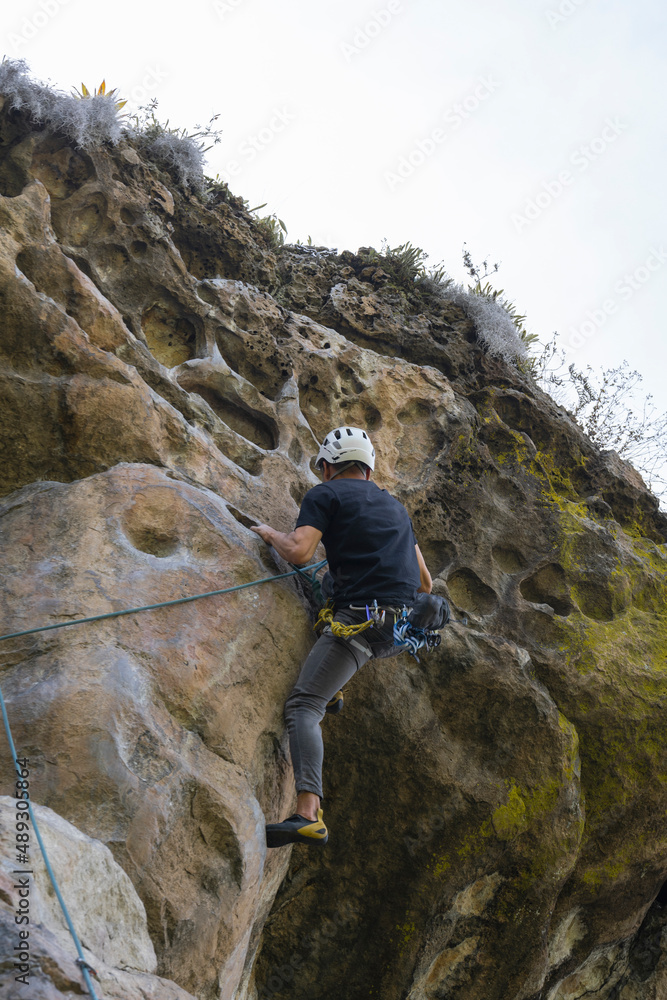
(496, 810)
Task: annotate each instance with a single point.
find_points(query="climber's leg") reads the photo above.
(329, 665)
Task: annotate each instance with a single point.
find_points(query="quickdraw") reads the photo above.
(412, 638)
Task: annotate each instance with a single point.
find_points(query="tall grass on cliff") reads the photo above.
(90, 120)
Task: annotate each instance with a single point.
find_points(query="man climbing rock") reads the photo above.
(373, 557)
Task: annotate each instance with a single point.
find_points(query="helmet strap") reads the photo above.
(344, 466)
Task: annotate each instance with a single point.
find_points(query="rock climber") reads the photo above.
(373, 556)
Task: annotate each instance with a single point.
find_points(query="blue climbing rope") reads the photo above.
(86, 969)
(82, 963)
(162, 604)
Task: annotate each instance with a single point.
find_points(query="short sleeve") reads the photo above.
(318, 508)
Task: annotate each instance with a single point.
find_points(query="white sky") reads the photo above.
(336, 93)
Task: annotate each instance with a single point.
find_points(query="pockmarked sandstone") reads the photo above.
(496, 810)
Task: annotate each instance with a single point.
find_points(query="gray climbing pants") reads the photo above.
(328, 667)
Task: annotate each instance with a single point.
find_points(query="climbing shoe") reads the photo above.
(297, 830)
(335, 705)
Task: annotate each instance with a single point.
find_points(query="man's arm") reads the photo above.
(298, 547)
(426, 584)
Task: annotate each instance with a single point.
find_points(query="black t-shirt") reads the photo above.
(369, 541)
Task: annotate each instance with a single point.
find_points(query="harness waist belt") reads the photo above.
(380, 607)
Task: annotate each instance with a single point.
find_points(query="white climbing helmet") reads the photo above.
(346, 444)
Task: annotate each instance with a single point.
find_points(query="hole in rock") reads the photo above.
(207, 293)
(215, 848)
(243, 519)
(31, 261)
(594, 600)
(257, 360)
(61, 170)
(521, 414)
(47, 268)
(83, 265)
(13, 177)
(316, 405)
(138, 248)
(156, 521)
(249, 460)
(250, 424)
(471, 593)
(85, 222)
(510, 560)
(130, 324)
(438, 554)
(240, 451)
(349, 378)
(295, 451)
(661, 898)
(361, 414)
(548, 586)
(507, 490)
(416, 412)
(128, 216)
(110, 260)
(151, 539)
(171, 338)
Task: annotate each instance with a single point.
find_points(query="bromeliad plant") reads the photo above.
(100, 92)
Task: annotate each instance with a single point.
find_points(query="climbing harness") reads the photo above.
(407, 635)
(87, 969)
(375, 616)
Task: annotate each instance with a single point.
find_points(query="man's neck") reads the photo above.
(348, 474)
